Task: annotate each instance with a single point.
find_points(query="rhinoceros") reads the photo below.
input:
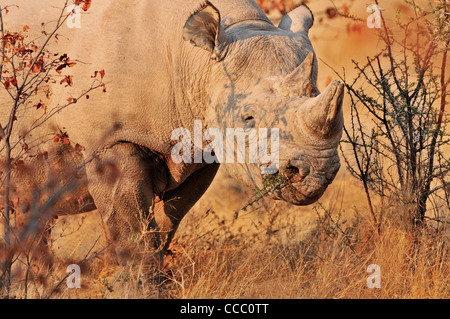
(168, 64)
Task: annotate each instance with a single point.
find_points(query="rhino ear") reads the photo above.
(203, 29)
(299, 20)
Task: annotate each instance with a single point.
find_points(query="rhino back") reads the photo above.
(154, 80)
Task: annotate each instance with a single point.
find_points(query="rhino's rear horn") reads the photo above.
(203, 30)
(301, 82)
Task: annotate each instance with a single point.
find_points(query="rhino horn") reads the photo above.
(301, 81)
(323, 114)
(299, 20)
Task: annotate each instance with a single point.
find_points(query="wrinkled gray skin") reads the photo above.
(169, 63)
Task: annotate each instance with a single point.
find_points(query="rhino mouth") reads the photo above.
(294, 187)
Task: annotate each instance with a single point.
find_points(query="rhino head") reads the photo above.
(265, 77)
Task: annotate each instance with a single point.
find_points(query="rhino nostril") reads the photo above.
(296, 174)
(291, 170)
(291, 173)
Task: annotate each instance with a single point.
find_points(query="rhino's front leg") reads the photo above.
(140, 219)
(125, 202)
(175, 204)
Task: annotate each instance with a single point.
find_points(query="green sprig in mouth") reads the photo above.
(272, 184)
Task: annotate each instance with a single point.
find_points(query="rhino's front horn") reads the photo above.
(301, 82)
(322, 115)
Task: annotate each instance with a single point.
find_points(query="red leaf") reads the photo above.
(102, 74)
(37, 67)
(39, 105)
(87, 5)
(67, 79)
(61, 137)
(25, 28)
(59, 68)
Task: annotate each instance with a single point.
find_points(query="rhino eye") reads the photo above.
(249, 120)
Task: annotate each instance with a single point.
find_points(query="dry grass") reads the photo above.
(329, 262)
(273, 250)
